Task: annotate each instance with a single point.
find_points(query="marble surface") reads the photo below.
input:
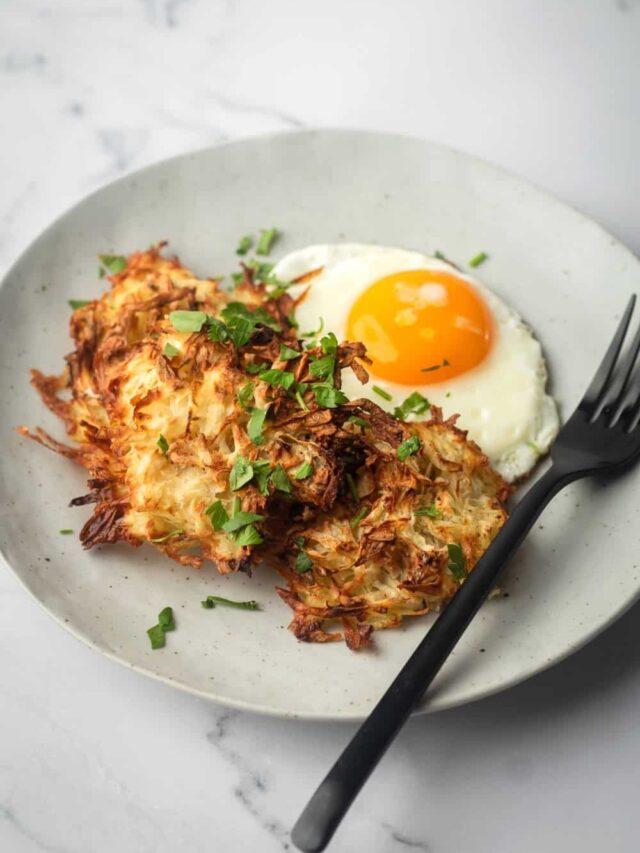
(94, 758)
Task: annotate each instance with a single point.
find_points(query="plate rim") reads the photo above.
(265, 709)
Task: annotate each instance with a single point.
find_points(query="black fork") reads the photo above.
(601, 436)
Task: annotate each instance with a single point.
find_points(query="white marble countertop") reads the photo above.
(94, 758)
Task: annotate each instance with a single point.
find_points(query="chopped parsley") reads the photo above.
(277, 378)
(457, 562)
(244, 244)
(287, 353)
(167, 536)
(409, 447)
(78, 303)
(430, 510)
(111, 264)
(354, 419)
(245, 395)
(315, 332)
(444, 363)
(381, 393)
(262, 473)
(267, 237)
(66, 531)
(241, 473)
(415, 404)
(357, 518)
(188, 321)
(304, 471)
(300, 400)
(303, 562)
(218, 515)
(157, 633)
(478, 259)
(352, 487)
(170, 351)
(261, 269)
(280, 479)
(328, 397)
(440, 255)
(212, 600)
(239, 520)
(163, 444)
(255, 425)
(248, 536)
(217, 331)
(256, 366)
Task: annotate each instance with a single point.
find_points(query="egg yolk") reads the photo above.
(421, 327)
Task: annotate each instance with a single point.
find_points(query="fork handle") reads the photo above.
(332, 799)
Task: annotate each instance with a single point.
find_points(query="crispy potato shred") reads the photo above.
(233, 443)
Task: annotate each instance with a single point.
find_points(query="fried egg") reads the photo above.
(430, 328)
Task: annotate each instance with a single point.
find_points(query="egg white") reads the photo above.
(502, 402)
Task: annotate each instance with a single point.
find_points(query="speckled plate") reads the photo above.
(577, 571)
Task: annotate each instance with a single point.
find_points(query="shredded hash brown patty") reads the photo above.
(210, 430)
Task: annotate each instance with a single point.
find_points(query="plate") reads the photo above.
(568, 278)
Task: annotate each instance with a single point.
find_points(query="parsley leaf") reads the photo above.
(78, 303)
(244, 244)
(170, 351)
(329, 344)
(478, 259)
(304, 471)
(357, 518)
(163, 444)
(66, 531)
(112, 264)
(381, 392)
(409, 447)
(287, 353)
(255, 367)
(322, 368)
(328, 397)
(240, 520)
(218, 515)
(188, 321)
(261, 269)
(217, 331)
(241, 473)
(354, 419)
(457, 562)
(211, 600)
(415, 404)
(277, 378)
(166, 623)
(255, 425)
(156, 635)
(245, 394)
(430, 510)
(262, 472)
(303, 562)
(267, 237)
(166, 620)
(248, 536)
(280, 479)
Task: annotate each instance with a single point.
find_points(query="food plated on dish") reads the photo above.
(293, 417)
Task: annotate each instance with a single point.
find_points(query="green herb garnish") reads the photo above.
(315, 332)
(287, 353)
(280, 479)
(415, 404)
(256, 366)
(78, 303)
(171, 535)
(163, 444)
(478, 259)
(212, 600)
(156, 635)
(354, 419)
(328, 397)
(66, 531)
(244, 244)
(218, 515)
(188, 321)
(217, 331)
(457, 562)
(244, 395)
(255, 425)
(165, 623)
(381, 392)
(352, 487)
(267, 237)
(430, 510)
(444, 363)
(261, 473)
(240, 520)
(166, 620)
(304, 471)
(303, 562)
(357, 518)
(170, 351)
(112, 264)
(277, 378)
(440, 255)
(248, 536)
(409, 447)
(241, 473)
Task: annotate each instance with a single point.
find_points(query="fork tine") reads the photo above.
(626, 394)
(593, 395)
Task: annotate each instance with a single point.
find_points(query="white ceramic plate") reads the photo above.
(577, 571)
